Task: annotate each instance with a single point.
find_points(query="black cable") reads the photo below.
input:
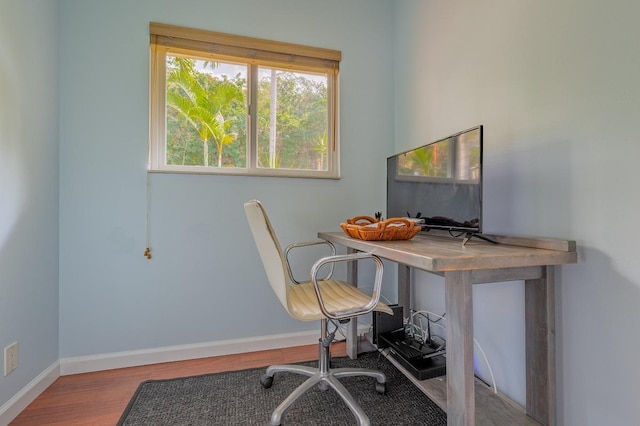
(433, 321)
(429, 321)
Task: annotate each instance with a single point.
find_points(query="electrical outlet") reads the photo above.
(10, 358)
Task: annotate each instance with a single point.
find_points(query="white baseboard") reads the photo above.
(109, 361)
(28, 394)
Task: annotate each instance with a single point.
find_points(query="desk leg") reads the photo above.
(540, 347)
(461, 405)
(404, 289)
(352, 326)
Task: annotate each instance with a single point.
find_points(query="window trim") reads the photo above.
(166, 39)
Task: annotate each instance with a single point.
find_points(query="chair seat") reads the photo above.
(337, 296)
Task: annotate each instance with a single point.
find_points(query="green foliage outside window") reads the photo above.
(206, 116)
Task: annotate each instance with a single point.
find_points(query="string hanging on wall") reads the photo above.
(147, 251)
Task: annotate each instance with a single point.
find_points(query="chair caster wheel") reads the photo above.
(266, 381)
(381, 388)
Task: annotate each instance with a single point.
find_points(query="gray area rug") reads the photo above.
(237, 398)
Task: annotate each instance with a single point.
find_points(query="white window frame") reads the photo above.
(169, 39)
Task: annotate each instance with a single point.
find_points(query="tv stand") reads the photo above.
(470, 235)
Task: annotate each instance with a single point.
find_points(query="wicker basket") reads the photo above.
(368, 228)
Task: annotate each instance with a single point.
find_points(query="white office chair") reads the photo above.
(318, 299)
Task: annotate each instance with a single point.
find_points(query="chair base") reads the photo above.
(324, 377)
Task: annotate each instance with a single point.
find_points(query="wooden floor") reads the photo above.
(100, 398)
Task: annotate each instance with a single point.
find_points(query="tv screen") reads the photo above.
(440, 182)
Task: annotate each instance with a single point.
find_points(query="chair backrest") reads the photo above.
(269, 248)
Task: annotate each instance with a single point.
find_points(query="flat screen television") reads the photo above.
(440, 182)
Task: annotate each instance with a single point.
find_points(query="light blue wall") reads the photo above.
(556, 86)
(204, 282)
(28, 188)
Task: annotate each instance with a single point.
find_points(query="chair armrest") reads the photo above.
(307, 244)
(353, 257)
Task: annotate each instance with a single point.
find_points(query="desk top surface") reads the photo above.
(443, 253)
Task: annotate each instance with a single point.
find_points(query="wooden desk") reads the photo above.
(515, 258)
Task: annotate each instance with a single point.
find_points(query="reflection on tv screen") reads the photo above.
(440, 182)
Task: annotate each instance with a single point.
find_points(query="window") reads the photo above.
(229, 104)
